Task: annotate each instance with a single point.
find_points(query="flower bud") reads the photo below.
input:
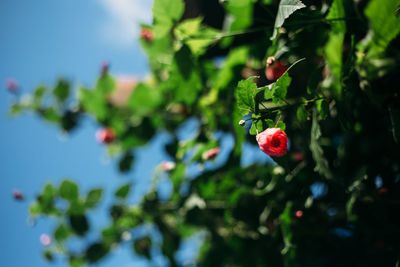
(210, 154)
(167, 165)
(45, 240)
(105, 135)
(298, 214)
(273, 142)
(147, 34)
(275, 71)
(17, 195)
(242, 122)
(270, 60)
(12, 85)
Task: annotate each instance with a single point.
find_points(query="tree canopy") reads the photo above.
(323, 74)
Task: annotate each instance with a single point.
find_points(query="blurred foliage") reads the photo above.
(338, 103)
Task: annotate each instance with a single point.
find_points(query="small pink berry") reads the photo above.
(270, 60)
(298, 214)
(17, 195)
(12, 85)
(105, 135)
(45, 239)
(210, 154)
(167, 165)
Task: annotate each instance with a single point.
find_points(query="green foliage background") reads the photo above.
(338, 103)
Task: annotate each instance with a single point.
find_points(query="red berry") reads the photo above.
(105, 135)
(12, 85)
(382, 191)
(147, 34)
(274, 71)
(17, 195)
(210, 154)
(298, 214)
(297, 156)
(270, 60)
(273, 142)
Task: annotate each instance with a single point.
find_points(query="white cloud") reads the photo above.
(124, 16)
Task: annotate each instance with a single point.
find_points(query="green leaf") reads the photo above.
(242, 12)
(123, 191)
(34, 209)
(79, 224)
(395, 120)
(144, 99)
(125, 163)
(61, 233)
(69, 190)
(167, 10)
(196, 36)
(279, 89)
(61, 91)
(323, 108)
(281, 125)
(142, 246)
(96, 252)
(286, 8)
(384, 23)
(94, 103)
(286, 225)
(302, 113)
(334, 46)
(93, 197)
(321, 163)
(245, 93)
(105, 84)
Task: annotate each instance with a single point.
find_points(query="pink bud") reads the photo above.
(298, 214)
(147, 34)
(104, 67)
(210, 154)
(105, 135)
(167, 165)
(17, 195)
(45, 239)
(12, 85)
(275, 71)
(270, 60)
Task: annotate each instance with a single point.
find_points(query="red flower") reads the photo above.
(147, 34)
(210, 154)
(105, 135)
(274, 71)
(273, 142)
